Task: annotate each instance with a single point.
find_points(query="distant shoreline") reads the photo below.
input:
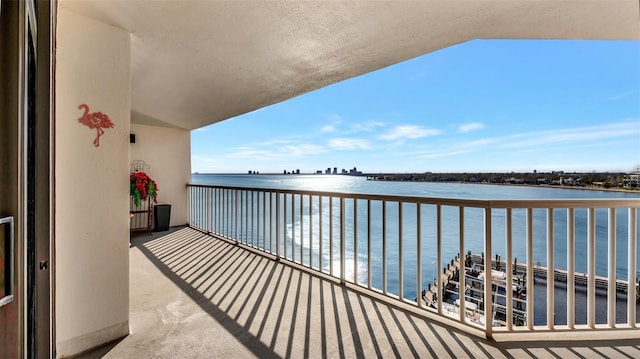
(379, 175)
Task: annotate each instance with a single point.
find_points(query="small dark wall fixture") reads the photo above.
(132, 138)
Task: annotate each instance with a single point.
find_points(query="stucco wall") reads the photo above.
(92, 185)
(168, 153)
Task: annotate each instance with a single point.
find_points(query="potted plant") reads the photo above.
(142, 187)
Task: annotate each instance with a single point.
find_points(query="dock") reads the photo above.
(450, 285)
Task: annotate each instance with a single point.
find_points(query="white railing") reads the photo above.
(390, 244)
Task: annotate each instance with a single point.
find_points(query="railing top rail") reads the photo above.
(475, 203)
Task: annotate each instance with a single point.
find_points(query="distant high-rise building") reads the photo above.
(335, 170)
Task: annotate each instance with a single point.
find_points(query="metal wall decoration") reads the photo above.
(97, 120)
(138, 165)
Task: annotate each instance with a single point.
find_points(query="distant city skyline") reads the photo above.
(480, 106)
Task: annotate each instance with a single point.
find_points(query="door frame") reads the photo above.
(27, 325)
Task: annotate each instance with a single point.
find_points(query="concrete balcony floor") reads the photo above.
(195, 296)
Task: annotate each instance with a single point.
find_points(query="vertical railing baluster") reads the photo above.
(331, 235)
(293, 227)
(384, 247)
(253, 220)
(509, 269)
(264, 221)
(419, 254)
(246, 217)
(369, 243)
(237, 214)
(284, 225)
(311, 231)
(342, 240)
(271, 218)
(550, 271)
(213, 211)
(462, 272)
(301, 230)
(216, 213)
(488, 294)
(591, 268)
(632, 267)
(400, 272)
(530, 278)
(438, 274)
(571, 265)
(320, 234)
(189, 205)
(355, 241)
(277, 225)
(612, 287)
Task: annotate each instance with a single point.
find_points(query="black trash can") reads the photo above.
(162, 216)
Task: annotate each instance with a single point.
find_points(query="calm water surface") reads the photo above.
(474, 233)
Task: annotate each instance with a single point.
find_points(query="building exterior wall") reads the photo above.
(91, 192)
(167, 151)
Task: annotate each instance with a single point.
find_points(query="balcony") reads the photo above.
(387, 244)
(272, 273)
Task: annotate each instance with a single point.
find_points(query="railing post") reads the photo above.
(571, 265)
(189, 219)
(384, 247)
(264, 220)
(488, 293)
(330, 235)
(237, 200)
(419, 253)
(209, 211)
(591, 268)
(631, 268)
(369, 243)
(311, 231)
(550, 271)
(462, 272)
(400, 274)
(301, 230)
(342, 240)
(438, 273)
(320, 234)
(509, 269)
(277, 226)
(355, 241)
(612, 287)
(293, 227)
(530, 279)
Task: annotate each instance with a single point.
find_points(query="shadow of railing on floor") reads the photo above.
(277, 310)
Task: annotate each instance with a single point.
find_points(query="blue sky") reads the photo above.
(481, 106)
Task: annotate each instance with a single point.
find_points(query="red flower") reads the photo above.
(142, 187)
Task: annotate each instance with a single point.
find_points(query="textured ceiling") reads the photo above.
(195, 63)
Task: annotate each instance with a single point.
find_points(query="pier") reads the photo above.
(474, 290)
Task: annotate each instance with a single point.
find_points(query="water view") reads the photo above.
(311, 222)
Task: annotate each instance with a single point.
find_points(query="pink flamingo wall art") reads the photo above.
(96, 120)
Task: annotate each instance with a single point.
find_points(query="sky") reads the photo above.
(480, 106)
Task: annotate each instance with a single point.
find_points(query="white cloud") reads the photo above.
(468, 127)
(349, 144)
(302, 150)
(578, 134)
(368, 126)
(336, 120)
(328, 128)
(410, 132)
(443, 154)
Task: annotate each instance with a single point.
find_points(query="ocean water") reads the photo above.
(297, 233)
